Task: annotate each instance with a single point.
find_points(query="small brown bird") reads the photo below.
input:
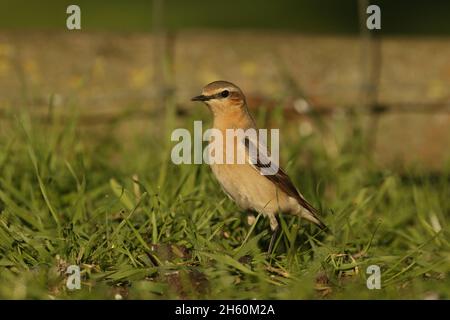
(245, 183)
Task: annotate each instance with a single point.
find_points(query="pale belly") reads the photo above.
(251, 190)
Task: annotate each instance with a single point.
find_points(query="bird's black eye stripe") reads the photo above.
(220, 95)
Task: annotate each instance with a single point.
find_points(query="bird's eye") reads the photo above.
(225, 93)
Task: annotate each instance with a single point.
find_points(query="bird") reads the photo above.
(245, 183)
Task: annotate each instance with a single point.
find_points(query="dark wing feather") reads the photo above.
(281, 180)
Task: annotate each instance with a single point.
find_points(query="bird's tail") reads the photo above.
(312, 217)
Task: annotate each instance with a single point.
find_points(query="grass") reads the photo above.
(108, 200)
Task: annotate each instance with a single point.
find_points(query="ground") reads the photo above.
(108, 199)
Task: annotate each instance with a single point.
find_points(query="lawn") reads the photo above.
(108, 199)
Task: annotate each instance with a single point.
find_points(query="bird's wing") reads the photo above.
(260, 160)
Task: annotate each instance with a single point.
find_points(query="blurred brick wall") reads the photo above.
(101, 73)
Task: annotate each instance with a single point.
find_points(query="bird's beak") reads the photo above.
(200, 98)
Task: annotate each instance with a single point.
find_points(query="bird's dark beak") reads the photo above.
(200, 98)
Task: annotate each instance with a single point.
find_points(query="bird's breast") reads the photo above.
(249, 189)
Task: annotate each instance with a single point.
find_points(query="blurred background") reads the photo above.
(312, 59)
(85, 124)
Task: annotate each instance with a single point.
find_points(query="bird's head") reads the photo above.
(221, 97)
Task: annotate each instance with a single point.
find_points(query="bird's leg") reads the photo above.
(251, 219)
(272, 241)
(275, 227)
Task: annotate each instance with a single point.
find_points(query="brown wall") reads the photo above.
(103, 73)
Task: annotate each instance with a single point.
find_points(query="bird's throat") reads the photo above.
(238, 118)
